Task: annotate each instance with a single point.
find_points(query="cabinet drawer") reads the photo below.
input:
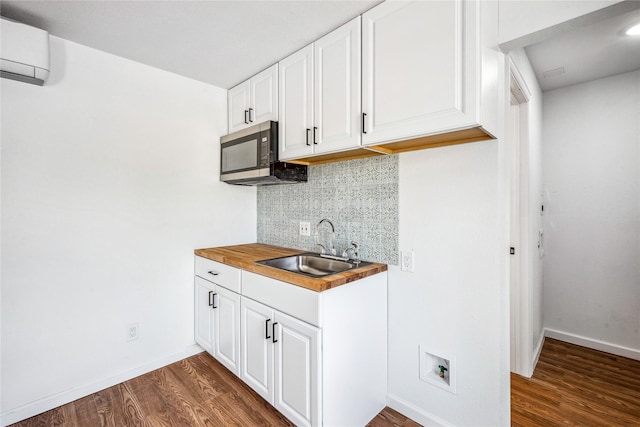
(218, 273)
(295, 301)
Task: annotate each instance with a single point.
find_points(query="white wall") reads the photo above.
(454, 303)
(531, 265)
(109, 182)
(591, 160)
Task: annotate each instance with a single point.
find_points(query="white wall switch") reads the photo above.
(407, 261)
(305, 228)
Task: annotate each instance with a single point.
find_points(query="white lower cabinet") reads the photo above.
(320, 358)
(281, 360)
(227, 329)
(217, 327)
(204, 314)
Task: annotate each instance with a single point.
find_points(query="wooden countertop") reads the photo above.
(245, 256)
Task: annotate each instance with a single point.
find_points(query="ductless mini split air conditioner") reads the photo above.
(24, 52)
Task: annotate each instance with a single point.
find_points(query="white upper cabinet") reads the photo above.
(320, 95)
(421, 69)
(337, 89)
(239, 100)
(255, 100)
(296, 104)
(264, 96)
(405, 75)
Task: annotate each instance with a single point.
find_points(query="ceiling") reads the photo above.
(587, 53)
(218, 42)
(225, 42)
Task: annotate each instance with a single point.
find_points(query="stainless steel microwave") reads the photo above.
(250, 157)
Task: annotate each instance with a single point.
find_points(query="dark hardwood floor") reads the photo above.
(197, 391)
(572, 386)
(577, 386)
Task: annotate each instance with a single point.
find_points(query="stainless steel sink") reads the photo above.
(311, 264)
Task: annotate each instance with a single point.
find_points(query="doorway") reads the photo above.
(521, 334)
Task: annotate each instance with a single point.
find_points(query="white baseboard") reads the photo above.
(41, 405)
(416, 414)
(608, 347)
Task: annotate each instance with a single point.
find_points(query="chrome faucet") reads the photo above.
(332, 247)
(355, 248)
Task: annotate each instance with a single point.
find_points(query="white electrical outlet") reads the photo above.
(305, 228)
(132, 332)
(407, 261)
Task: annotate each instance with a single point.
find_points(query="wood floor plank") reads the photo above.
(190, 383)
(81, 409)
(177, 409)
(157, 403)
(572, 386)
(589, 387)
(390, 417)
(117, 407)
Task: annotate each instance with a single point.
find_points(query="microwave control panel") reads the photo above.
(265, 151)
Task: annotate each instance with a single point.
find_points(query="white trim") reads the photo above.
(608, 347)
(537, 352)
(416, 414)
(517, 82)
(42, 405)
(521, 292)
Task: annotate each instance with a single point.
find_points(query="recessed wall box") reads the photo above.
(437, 370)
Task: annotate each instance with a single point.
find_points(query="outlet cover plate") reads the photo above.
(305, 228)
(407, 261)
(132, 332)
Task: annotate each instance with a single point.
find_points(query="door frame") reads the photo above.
(521, 298)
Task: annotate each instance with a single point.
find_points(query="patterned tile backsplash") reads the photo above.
(360, 197)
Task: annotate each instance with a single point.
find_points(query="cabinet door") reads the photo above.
(204, 314)
(295, 104)
(417, 57)
(239, 102)
(337, 89)
(227, 328)
(256, 367)
(264, 96)
(297, 370)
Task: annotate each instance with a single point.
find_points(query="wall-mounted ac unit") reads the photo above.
(24, 52)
